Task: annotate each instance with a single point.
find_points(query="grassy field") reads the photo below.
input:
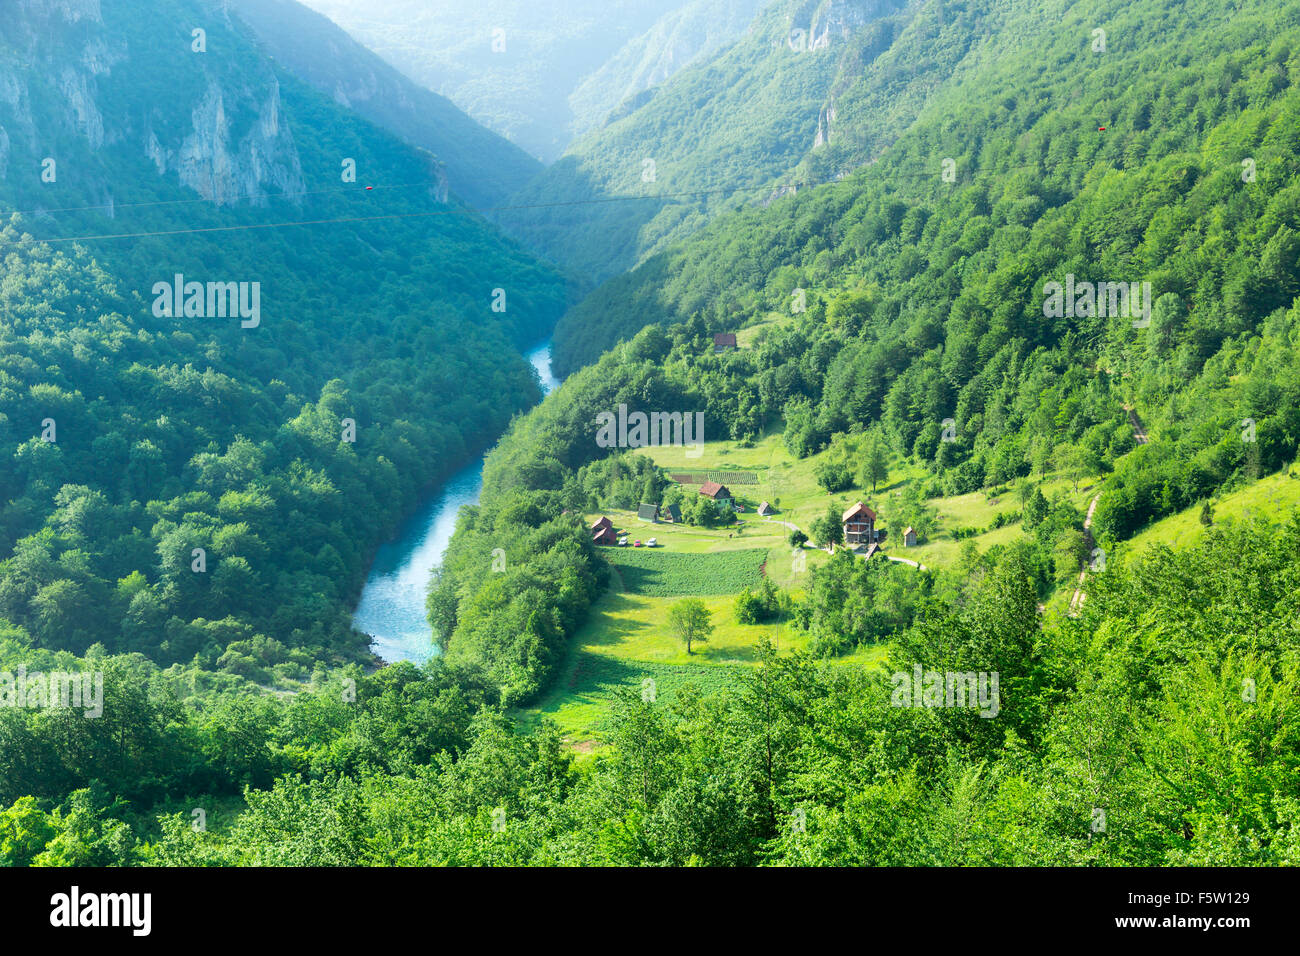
(626, 640)
(660, 573)
(788, 483)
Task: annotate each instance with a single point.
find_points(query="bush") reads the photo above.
(834, 476)
(765, 605)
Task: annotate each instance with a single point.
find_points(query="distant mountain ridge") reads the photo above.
(540, 71)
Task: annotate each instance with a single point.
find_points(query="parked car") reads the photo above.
(652, 543)
(622, 542)
(637, 543)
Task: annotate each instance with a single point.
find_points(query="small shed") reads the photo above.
(766, 509)
(909, 537)
(723, 341)
(674, 514)
(647, 512)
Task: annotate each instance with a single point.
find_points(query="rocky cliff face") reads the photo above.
(225, 169)
(824, 120)
(832, 20)
(70, 93)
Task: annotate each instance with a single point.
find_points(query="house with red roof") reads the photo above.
(717, 492)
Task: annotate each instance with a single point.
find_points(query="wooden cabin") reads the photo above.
(602, 532)
(909, 537)
(723, 341)
(859, 525)
(648, 512)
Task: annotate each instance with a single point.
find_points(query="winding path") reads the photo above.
(1139, 433)
(1076, 601)
(1140, 437)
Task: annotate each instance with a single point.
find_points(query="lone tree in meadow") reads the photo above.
(875, 465)
(689, 619)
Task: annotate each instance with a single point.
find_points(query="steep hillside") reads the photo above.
(339, 353)
(1023, 138)
(481, 167)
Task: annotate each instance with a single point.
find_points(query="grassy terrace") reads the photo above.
(1273, 497)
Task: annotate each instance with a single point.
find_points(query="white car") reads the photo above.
(652, 543)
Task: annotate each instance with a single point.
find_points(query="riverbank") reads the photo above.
(391, 608)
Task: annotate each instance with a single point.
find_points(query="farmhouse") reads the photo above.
(859, 525)
(602, 532)
(648, 512)
(723, 341)
(717, 492)
(674, 514)
(909, 537)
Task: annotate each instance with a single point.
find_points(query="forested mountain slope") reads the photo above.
(135, 435)
(807, 94)
(1021, 115)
